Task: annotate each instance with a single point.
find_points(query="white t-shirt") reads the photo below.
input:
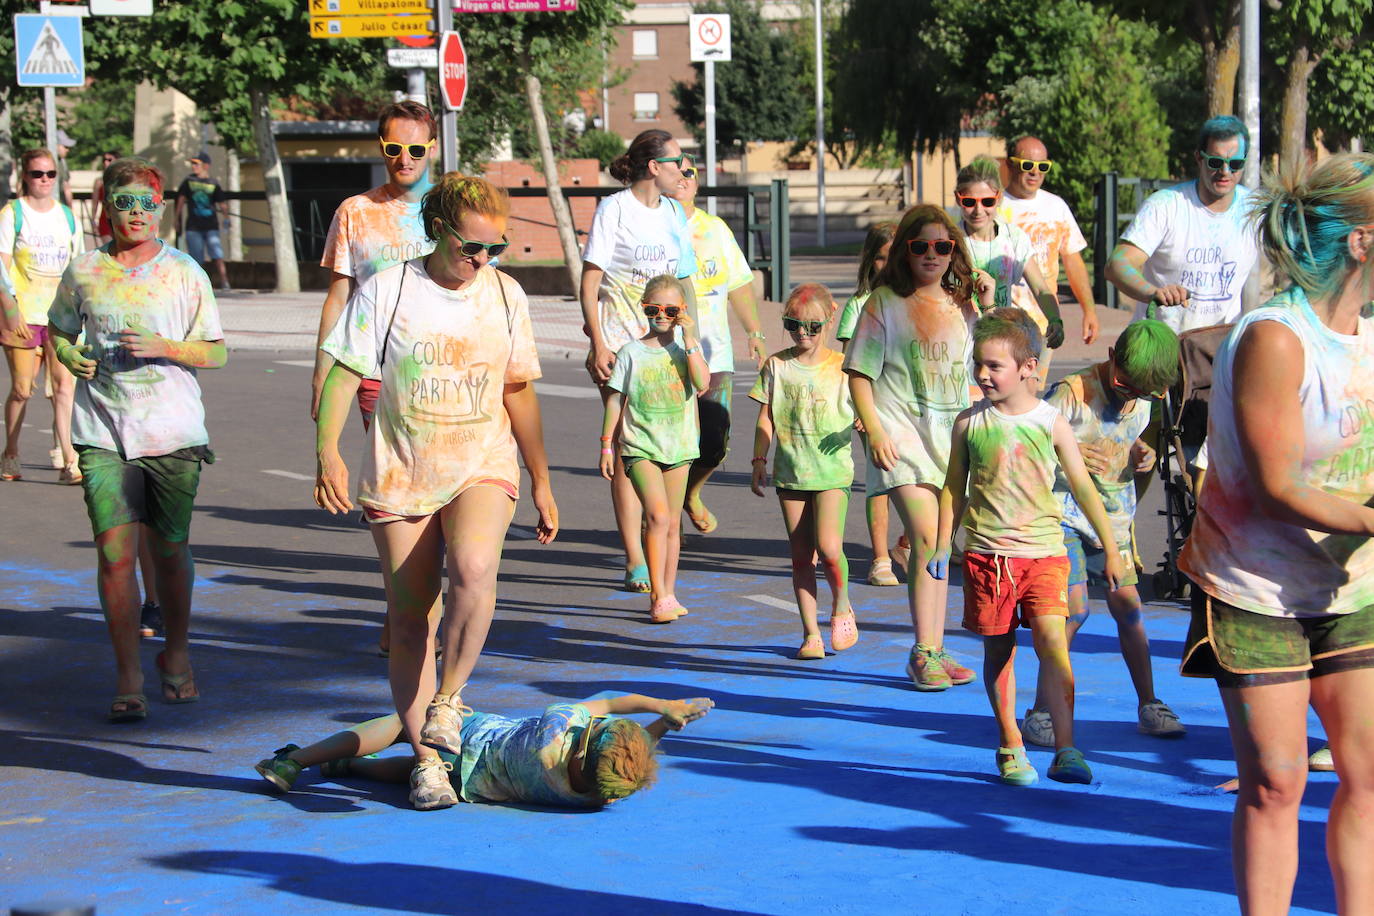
(44, 247)
(1004, 257)
(137, 407)
(444, 357)
(633, 244)
(1053, 232)
(1208, 253)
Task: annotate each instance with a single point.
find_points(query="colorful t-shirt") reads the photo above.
(849, 315)
(658, 417)
(721, 268)
(1245, 558)
(1053, 231)
(523, 760)
(373, 231)
(1012, 509)
(137, 407)
(444, 357)
(1208, 253)
(201, 196)
(813, 420)
(917, 354)
(1096, 419)
(45, 245)
(633, 244)
(1004, 258)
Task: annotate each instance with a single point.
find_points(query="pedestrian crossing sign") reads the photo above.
(48, 50)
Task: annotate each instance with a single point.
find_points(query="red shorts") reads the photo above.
(1002, 592)
(368, 390)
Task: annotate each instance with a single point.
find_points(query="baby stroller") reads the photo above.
(1182, 431)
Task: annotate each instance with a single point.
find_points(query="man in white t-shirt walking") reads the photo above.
(1053, 231)
(1190, 248)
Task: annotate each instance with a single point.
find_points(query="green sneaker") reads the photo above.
(1069, 766)
(281, 771)
(1013, 767)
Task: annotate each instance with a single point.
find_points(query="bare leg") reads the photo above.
(1342, 701)
(1124, 603)
(475, 531)
(629, 515)
(23, 366)
(919, 509)
(118, 590)
(875, 511)
(831, 506)
(63, 395)
(650, 485)
(175, 573)
(223, 273)
(1052, 649)
(364, 738)
(1078, 615)
(798, 515)
(411, 555)
(1269, 737)
(714, 406)
(999, 680)
(674, 488)
(145, 567)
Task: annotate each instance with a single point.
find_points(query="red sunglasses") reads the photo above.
(921, 246)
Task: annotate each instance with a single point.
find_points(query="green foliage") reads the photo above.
(1342, 96)
(764, 89)
(600, 145)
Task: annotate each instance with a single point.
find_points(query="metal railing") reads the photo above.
(1118, 199)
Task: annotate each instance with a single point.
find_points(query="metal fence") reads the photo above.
(1118, 200)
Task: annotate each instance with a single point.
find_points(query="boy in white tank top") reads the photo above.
(1006, 451)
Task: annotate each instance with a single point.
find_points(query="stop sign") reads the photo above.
(453, 71)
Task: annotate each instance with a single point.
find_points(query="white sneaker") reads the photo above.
(1037, 728)
(9, 468)
(1321, 760)
(55, 458)
(1157, 719)
(429, 785)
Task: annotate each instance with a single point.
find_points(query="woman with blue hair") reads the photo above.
(1280, 552)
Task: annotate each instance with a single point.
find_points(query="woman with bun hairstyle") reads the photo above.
(637, 234)
(1280, 551)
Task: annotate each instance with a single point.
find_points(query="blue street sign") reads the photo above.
(48, 51)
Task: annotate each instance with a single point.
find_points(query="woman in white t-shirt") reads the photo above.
(38, 238)
(637, 234)
(450, 338)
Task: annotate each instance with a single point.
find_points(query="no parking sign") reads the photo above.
(709, 36)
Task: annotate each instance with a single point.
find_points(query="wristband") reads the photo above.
(608, 451)
(764, 459)
(693, 349)
(757, 335)
(1054, 321)
(605, 438)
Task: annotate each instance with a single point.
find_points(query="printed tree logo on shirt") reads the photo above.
(938, 382)
(451, 401)
(660, 389)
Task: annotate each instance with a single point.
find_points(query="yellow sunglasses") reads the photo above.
(392, 150)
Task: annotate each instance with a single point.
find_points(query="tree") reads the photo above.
(1214, 25)
(1341, 96)
(763, 93)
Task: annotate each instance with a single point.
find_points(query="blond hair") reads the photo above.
(456, 195)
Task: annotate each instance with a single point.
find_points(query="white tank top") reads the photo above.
(1256, 563)
(1012, 510)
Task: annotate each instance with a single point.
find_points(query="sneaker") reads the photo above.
(924, 668)
(9, 468)
(958, 674)
(1321, 760)
(880, 573)
(1069, 766)
(1037, 728)
(443, 728)
(150, 621)
(280, 770)
(1159, 720)
(56, 459)
(429, 785)
(901, 556)
(1014, 769)
(71, 475)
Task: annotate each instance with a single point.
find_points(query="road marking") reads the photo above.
(21, 820)
(566, 391)
(224, 643)
(778, 603)
(289, 475)
(302, 363)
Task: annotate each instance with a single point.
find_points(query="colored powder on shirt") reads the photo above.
(813, 420)
(1012, 510)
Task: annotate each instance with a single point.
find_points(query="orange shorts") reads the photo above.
(1002, 592)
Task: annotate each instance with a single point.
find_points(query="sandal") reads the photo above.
(177, 688)
(811, 649)
(844, 631)
(637, 578)
(663, 611)
(128, 707)
(705, 524)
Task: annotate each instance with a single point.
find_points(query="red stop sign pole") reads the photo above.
(453, 71)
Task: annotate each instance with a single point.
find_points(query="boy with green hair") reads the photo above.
(1108, 407)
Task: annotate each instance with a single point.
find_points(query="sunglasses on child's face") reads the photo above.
(797, 326)
(669, 311)
(1121, 384)
(392, 150)
(39, 173)
(1216, 163)
(1031, 165)
(470, 249)
(942, 247)
(136, 201)
(968, 203)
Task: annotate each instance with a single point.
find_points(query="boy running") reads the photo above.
(1108, 408)
(1006, 452)
(138, 424)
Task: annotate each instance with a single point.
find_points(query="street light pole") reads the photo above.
(820, 132)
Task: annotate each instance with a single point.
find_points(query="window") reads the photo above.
(645, 42)
(646, 106)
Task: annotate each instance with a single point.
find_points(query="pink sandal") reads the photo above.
(844, 631)
(811, 649)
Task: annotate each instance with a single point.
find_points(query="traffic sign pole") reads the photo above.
(448, 120)
(708, 38)
(711, 134)
(49, 118)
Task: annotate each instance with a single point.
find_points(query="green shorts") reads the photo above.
(1240, 648)
(158, 490)
(632, 460)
